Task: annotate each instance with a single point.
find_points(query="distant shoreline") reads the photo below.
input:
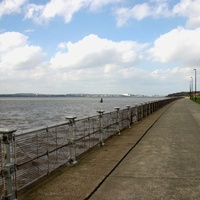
(33, 95)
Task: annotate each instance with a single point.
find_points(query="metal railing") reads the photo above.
(30, 155)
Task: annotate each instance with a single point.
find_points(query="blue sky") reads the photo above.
(99, 46)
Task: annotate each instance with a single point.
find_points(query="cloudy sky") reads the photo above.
(99, 46)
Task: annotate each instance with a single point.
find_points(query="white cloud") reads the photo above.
(10, 40)
(172, 80)
(63, 8)
(172, 74)
(62, 45)
(91, 65)
(95, 5)
(179, 45)
(44, 13)
(92, 52)
(29, 30)
(34, 12)
(189, 9)
(16, 53)
(98, 63)
(11, 6)
(140, 11)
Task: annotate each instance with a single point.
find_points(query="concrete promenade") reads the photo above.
(158, 158)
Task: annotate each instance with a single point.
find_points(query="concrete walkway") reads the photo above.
(155, 159)
(165, 164)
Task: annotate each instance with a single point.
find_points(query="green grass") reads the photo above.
(197, 99)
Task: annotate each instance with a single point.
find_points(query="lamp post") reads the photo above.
(191, 88)
(195, 78)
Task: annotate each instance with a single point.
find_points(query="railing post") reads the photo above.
(48, 156)
(8, 167)
(101, 142)
(72, 140)
(146, 109)
(151, 107)
(142, 110)
(129, 115)
(154, 106)
(117, 120)
(89, 123)
(152, 110)
(136, 113)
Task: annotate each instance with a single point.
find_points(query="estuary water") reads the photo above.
(27, 113)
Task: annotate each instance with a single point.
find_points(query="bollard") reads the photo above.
(117, 120)
(72, 141)
(8, 167)
(129, 115)
(101, 142)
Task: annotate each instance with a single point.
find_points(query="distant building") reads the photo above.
(126, 95)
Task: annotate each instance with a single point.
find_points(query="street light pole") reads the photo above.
(191, 87)
(195, 71)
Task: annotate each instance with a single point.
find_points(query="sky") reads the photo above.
(99, 46)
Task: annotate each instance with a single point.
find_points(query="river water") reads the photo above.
(27, 113)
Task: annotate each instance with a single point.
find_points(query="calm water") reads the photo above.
(26, 113)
